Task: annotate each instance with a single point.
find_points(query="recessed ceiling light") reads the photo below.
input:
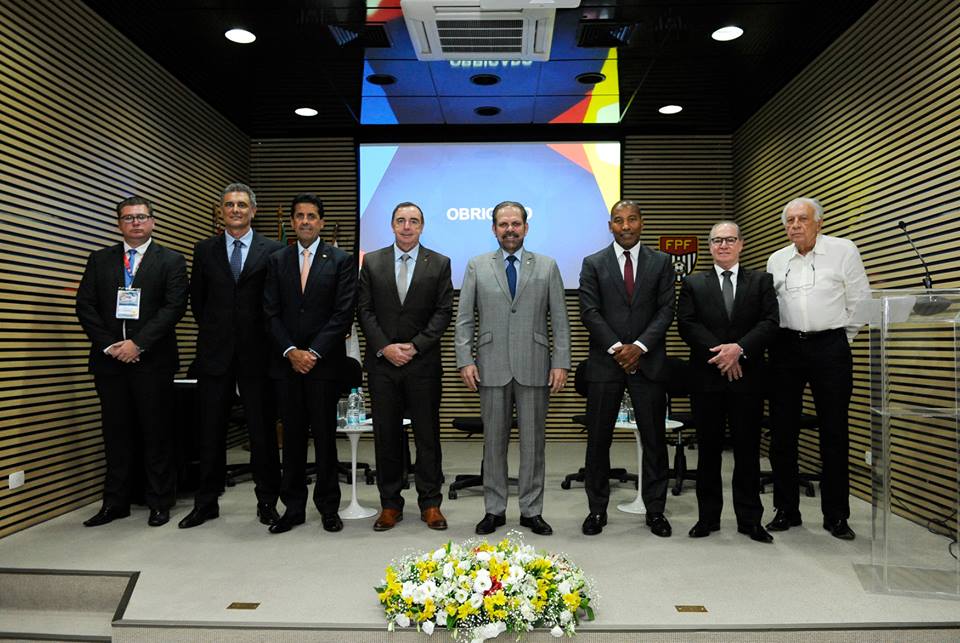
(670, 109)
(591, 78)
(486, 110)
(381, 79)
(484, 80)
(305, 111)
(724, 34)
(240, 36)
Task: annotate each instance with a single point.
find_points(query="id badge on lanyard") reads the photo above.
(128, 303)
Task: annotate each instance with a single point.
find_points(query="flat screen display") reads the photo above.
(567, 189)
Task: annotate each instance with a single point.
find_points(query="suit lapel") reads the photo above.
(292, 261)
(496, 263)
(117, 262)
(529, 265)
(220, 257)
(253, 256)
(316, 264)
(714, 292)
(744, 277)
(612, 263)
(419, 270)
(146, 263)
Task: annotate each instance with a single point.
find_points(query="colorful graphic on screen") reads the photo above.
(567, 188)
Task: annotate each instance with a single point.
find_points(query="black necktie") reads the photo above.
(727, 292)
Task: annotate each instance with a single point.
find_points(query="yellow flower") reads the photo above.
(429, 609)
(465, 610)
(572, 601)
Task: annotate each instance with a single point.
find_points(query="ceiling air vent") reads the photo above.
(481, 29)
(605, 33)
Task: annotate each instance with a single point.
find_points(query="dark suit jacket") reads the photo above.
(422, 317)
(610, 318)
(318, 319)
(703, 322)
(230, 314)
(162, 280)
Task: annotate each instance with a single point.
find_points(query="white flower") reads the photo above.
(463, 565)
(427, 627)
(482, 582)
(447, 570)
(406, 590)
(476, 600)
(565, 617)
(516, 573)
(564, 587)
(557, 631)
(483, 556)
(492, 630)
(439, 554)
(402, 620)
(461, 595)
(420, 594)
(526, 611)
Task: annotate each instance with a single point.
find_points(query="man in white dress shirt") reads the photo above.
(819, 281)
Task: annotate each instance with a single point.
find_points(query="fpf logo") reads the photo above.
(683, 252)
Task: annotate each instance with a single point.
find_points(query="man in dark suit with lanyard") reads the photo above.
(626, 303)
(728, 315)
(226, 297)
(129, 301)
(308, 300)
(404, 306)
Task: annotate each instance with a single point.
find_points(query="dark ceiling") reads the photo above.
(296, 61)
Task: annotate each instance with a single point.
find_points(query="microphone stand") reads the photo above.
(930, 304)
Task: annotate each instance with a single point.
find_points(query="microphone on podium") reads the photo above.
(929, 304)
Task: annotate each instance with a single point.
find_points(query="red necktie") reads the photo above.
(628, 274)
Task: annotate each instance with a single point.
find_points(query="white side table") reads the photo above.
(355, 509)
(637, 506)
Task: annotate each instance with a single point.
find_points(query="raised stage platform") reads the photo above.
(313, 586)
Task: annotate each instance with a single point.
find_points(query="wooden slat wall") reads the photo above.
(871, 129)
(85, 120)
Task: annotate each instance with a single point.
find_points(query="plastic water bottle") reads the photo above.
(622, 414)
(353, 408)
(363, 405)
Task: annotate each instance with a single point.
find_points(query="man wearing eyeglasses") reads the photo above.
(130, 298)
(728, 315)
(308, 300)
(819, 281)
(226, 297)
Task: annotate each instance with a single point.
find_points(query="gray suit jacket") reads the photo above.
(513, 340)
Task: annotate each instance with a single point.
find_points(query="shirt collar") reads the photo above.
(246, 239)
(734, 269)
(412, 252)
(818, 248)
(518, 254)
(619, 250)
(141, 249)
(313, 247)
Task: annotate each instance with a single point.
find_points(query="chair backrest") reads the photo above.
(676, 377)
(580, 378)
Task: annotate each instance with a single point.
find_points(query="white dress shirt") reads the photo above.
(622, 261)
(413, 253)
(138, 257)
(245, 242)
(820, 290)
(516, 264)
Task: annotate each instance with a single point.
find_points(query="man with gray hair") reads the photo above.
(226, 296)
(819, 281)
(728, 315)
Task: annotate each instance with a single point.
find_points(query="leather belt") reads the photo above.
(807, 334)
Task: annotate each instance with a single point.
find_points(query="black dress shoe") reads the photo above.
(839, 529)
(267, 513)
(594, 523)
(158, 517)
(659, 525)
(199, 515)
(784, 520)
(703, 529)
(490, 523)
(105, 515)
(537, 525)
(331, 522)
(756, 532)
(286, 522)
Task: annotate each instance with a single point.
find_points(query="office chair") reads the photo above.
(677, 385)
(471, 425)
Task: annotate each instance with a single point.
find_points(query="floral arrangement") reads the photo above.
(478, 590)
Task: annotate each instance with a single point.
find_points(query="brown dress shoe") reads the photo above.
(433, 518)
(387, 519)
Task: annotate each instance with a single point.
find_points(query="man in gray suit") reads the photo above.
(513, 289)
